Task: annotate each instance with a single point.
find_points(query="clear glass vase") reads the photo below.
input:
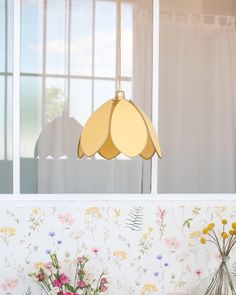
(221, 283)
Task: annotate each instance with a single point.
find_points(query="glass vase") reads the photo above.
(221, 283)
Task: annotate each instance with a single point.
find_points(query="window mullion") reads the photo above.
(155, 87)
(16, 98)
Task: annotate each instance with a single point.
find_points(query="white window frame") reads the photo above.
(54, 198)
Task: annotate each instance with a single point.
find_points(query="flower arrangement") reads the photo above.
(225, 241)
(54, 282)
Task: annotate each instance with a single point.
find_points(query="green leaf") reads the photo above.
(188, 222)
(70, 288)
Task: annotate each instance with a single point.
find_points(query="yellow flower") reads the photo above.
(120, 254)
(231, 232)
(149, 288)
(234, 225)
(224, 221)
(205, 231)
(145, 236)
(94, 211)
(203, 240)
(11, 231)
(224, 235)
(211, 226)
(3, 229)
(35, 211)
(117, 212)
(195, 234)
(150, 229)
(38, 265)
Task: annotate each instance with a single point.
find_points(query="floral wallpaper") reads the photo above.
(144, 248)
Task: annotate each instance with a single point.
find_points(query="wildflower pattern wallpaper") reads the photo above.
(143, 248)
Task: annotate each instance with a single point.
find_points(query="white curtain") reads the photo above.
(197, 104)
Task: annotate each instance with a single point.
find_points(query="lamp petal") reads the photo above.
(149, 150)
(151, 131)
(80, 151)
(96, 130)
(128, 130)
(108, 150)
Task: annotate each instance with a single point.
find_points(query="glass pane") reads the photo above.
(2, 35)
(127, 40)
(103, 91)
(55, 52)
(80, 100)
(53, 110)
(6, 49)
(105, 39)
(81, 37)
(31, 36)
(197, 97)
(31, 114)
(54, 99)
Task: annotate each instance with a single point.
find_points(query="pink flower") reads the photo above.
(66, 219)
(41, 277)
(81, 284)
(95, 250)
(103, 288)
(48, 264)
(64, 279)
(82, 259)
(161, 213)
(103, 281)
(172, 244)
(9, 284)
(198, 272)
(57, 283)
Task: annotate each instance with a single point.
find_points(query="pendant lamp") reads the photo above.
(119, 126)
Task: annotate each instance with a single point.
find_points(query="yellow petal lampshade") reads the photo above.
(119, 126)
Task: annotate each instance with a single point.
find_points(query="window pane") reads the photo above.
(80, 100)
(53, 110)
(105, 39)
(2, 35)
(103, 91)
(55, 53)
(31, 36)
(197, 97)
(81, 37)
(54, 99)
(31, 114)
(6, 32)
(127, 40)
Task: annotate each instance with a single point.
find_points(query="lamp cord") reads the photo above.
(119, 38)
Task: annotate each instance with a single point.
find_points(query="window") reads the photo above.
(68, 69)
(197, 96)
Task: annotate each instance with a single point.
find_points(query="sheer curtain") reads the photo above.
(197, 103)
(61, 109)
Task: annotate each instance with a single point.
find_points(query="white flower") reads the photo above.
(47, 272)
(54, 270)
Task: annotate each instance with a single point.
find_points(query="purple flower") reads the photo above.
(156, 273)
(159, 257)
(166, 264)
(48, 251)
(59, 242)
(51, 234)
